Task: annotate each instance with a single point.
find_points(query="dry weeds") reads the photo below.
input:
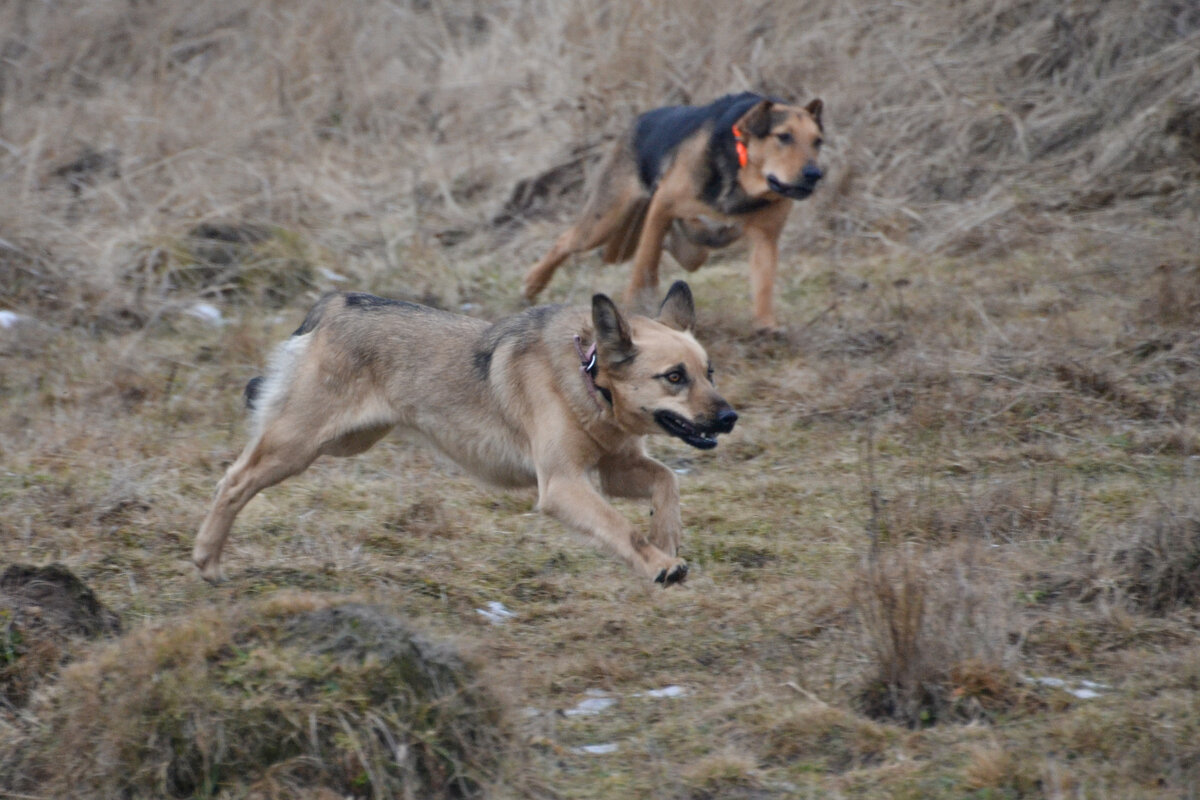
(967, 466)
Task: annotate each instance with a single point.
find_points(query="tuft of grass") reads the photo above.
(993, 771)
(241, 263)
(1162, 562)
(937, 629)
(825, 738)
(721, 775)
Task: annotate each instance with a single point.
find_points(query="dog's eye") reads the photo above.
(785, 138)
(710, 374)
(819, 141)
(674, 376)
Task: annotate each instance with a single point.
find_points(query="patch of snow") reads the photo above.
(9, 318)
(596, 702)
(1083, 689)
(330, 275)
(666, 691)
(495, 613)
(206, 312)
(596, 749)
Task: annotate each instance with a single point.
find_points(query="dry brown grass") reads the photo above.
(966, 466)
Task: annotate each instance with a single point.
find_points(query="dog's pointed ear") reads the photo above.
(756, 121)
(614, 341)
(815, 108)
(678, 310)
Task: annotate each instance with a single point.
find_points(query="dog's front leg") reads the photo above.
(642, 478)
(573, 501)
(764, 258)
(763, 235)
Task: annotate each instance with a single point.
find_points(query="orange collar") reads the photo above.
(740, 146)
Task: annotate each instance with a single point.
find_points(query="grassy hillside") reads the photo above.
(951, 550)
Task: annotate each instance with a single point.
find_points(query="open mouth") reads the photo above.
(796, 191)
(680, 428)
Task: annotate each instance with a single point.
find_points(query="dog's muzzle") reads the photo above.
(702, 436)
(809, 178)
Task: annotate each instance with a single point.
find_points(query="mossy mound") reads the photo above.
(42, 609)
(289, 695)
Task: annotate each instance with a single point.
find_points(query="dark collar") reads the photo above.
(587, 367)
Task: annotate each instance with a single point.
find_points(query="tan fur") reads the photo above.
(508, 402)
(620, 214)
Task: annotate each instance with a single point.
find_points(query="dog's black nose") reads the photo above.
(812, 173)
(725, 420)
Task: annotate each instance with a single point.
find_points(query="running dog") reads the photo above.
(544, 399)
(691, 179)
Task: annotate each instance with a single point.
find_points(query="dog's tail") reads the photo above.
(266, 394)
(251, 392)
(263, 391)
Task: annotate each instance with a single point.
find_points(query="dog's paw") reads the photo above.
(770, 331)
(210, 570)
(676, 573)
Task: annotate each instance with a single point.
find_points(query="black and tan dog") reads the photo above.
(544, 398)
(696, 178)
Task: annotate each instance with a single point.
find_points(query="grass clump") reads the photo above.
(1162, 563)
(723, 775)
(238, 262)
(936, 625)
(269, 698)
(936, 619)
(824, 738)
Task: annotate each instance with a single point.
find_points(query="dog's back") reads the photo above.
(657, 134)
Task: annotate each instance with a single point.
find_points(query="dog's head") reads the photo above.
(657, 374)
(782, 144)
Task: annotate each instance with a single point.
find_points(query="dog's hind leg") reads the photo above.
(288, 444)
(622, 242)
(265, 462)
(609, 213)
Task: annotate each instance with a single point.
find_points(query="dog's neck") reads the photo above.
(723, 188)
(587, 368)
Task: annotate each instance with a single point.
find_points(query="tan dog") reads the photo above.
(544, 398)
(696, 178)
